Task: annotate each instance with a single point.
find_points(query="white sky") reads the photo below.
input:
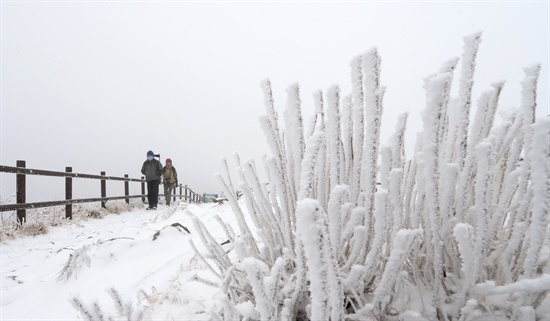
(94, 85)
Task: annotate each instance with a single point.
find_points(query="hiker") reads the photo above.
(170, 176)
(152, 169)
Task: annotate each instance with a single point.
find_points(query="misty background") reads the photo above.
(94, 85)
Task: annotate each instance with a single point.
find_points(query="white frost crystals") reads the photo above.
(457, 232)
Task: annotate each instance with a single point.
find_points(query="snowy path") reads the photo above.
(122, 254)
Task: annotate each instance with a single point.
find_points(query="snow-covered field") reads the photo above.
(117, 251)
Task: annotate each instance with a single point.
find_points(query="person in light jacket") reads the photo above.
(170, 179)
(152, 169)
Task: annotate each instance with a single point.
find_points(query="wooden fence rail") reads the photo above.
(21, 206)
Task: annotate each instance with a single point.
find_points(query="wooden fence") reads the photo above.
(21, 205)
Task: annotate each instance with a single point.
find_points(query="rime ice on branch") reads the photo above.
(449, 234)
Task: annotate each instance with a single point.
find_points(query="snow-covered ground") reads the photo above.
(117, 251)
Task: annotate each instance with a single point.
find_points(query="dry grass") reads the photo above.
(40, 221)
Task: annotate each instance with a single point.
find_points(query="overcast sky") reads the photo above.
(94, 85)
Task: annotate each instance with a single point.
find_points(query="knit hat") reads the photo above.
(168, 160)
(150, 153)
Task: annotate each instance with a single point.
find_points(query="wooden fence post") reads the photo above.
(174, 193)
(103, 190)
(143, 189)
(186, 199)
(127, 189)
(21, 205)
(20, 193)
(69, 194)
(180, 192)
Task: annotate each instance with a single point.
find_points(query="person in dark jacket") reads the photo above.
(152, 169)
(170, 179)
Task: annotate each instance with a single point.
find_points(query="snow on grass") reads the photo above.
(119, 253)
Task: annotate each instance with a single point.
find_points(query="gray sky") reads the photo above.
(94, 85)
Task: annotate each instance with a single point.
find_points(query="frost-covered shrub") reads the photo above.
(457, 232)
(125, 310)
(77, 260)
